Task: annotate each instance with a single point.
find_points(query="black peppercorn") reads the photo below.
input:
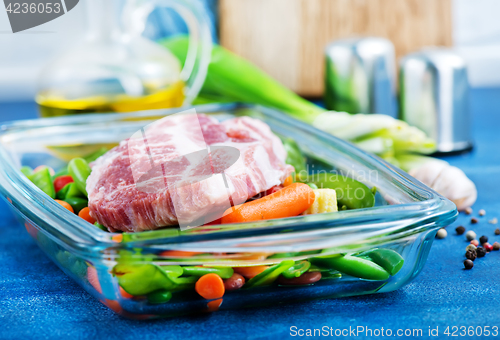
(483, 239)
(460, 230)
(468, 264)
(480, 252)
(473, 220)
(471, 254)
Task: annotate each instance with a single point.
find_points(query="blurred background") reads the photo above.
(285, 38)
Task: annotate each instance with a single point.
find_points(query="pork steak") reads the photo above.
(149, 180)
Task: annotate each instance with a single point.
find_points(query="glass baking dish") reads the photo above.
(405, 218)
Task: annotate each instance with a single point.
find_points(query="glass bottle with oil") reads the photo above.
(115, 69)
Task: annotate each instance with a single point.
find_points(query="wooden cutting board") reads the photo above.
(286, 38)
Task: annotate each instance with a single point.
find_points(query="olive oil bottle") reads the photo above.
(115, 69)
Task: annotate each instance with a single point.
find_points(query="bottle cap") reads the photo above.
(434, 97)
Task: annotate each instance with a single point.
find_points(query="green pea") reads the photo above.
(43, 181)
(77, 203)
(353, 266)
(223, 272)
(297, 269)
(160, 296)
(351, 193)
(269, 275)
(142, 279)
(80, 171)
(26, 170)
(312, 186)
(388, 259)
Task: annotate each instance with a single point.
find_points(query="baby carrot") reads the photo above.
(210, 286)
(178, 253)
(288, 181)
(250, 272)
(85, 214)
(290, 201)
(66, 205)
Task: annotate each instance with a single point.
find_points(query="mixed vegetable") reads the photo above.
(140, 278)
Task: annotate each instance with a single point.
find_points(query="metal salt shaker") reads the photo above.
(360, 76)
(434, 97)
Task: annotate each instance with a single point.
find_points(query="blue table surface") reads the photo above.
(39, 300)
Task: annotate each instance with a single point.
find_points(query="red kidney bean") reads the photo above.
(236, 281)
(304, 279)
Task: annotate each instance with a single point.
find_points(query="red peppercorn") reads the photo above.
(474, 242)
(488, 247)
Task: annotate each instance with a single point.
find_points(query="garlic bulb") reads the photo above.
(449, 181)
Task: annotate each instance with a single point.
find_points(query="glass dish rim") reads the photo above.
(76, 229)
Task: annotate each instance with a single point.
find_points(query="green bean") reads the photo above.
(61, 194)
(269, 275)
(353, 266)
(80, 171)
(43, 181)
(100, 226)
(223, 272)
(70, 190)
(300, 253)
(142, 279)
(62, 172)
(294, 156)
(173, 270)
(388, 259)
(74, 191)
(281, 255)
(351, 193)
(26, 170)
(297, 269)
(331, 274)
(94, 155)
(160, 296)
(77, 203)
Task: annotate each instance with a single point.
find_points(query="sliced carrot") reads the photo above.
(289, 201)
(178, 253)
(288, 181)
(210, 286)
(31, 229)
(214, 305)
(125, 294)
(249, 272)
(114, 306)
(117, 238)
(85, 214)
(66, 205)
(253, 256)
(94, 279)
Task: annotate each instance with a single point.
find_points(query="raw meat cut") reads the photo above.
(154, 179)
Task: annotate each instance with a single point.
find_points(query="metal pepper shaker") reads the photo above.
(360, 76)
(434, 96)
